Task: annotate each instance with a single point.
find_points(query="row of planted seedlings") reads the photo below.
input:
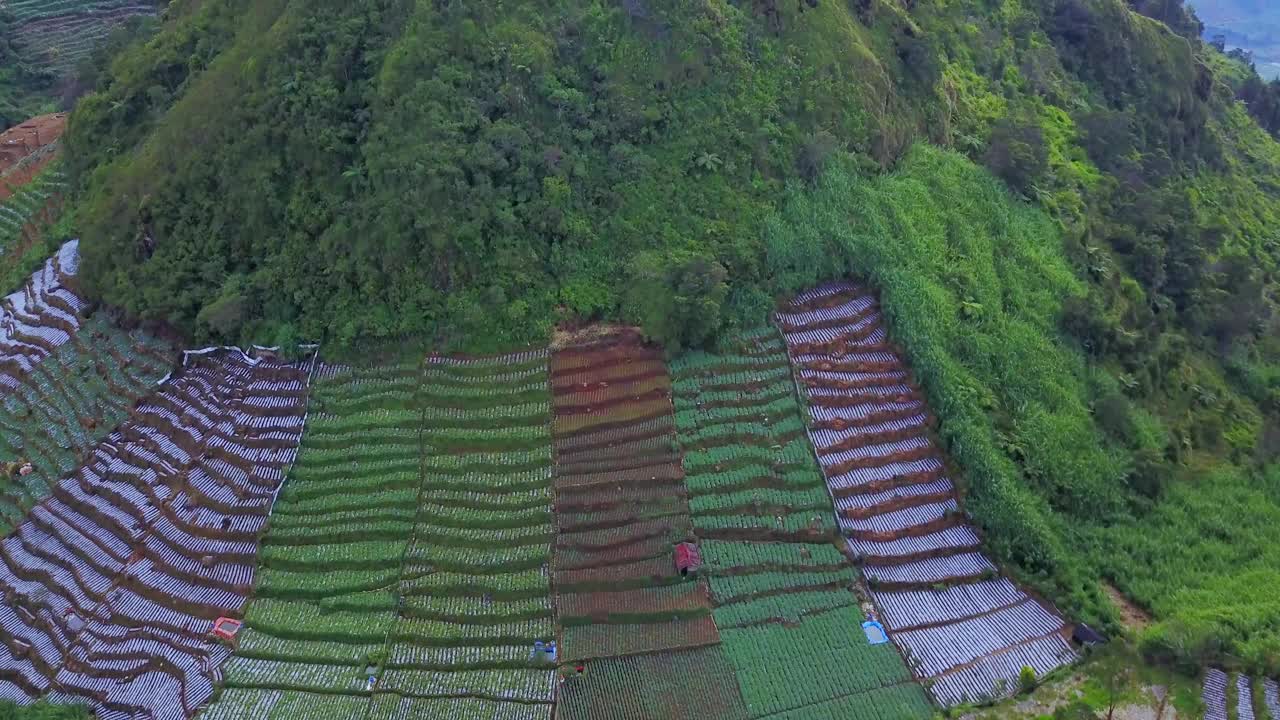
(782, 584)
(27, 208)
(629, 618)
(66, 403)
(326, 596)
(474, 589)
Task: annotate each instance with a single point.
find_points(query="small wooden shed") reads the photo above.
(688, 559)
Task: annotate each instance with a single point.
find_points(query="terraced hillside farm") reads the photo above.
(325, 598)
(66, 403)
(28, 209)
(964, 629)
(61, 33)
(113, 583)
(39, 317)
(406, 571)
(783, 588)
(474, 586)
(64, 383)
(620, 509)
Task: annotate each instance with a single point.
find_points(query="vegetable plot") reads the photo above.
(960, 626)
(326, 592)
(67, 402)
(621, 508)
(784, 592)
(474, 585)
(113, 583)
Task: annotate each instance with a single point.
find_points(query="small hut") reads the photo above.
(1084, 635)
(688, 559)
(226, 629)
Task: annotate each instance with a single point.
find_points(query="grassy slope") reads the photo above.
(973, 283)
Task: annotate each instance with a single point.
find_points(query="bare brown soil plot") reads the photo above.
(621, 505)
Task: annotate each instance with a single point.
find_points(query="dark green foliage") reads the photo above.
(42, 711)
(370, 170)
(1206, 562)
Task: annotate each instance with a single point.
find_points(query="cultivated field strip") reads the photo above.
(326, 595)
(66, 403)
(112, 584)
(39, 317)
(958, 624)
(61, 33)
(1215, 694)
(691, 684)
(620, 506)
(25, 210)
(781, 584)
(412, 546)
(474, 589)
(1244, 698)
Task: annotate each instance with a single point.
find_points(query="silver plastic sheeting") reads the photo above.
(969, 636)
(1215, 695)
(1244, 698)
(955, 537)
(39, 317)
(112, 581)
(931, 571)
(995, 676)
(907, 609)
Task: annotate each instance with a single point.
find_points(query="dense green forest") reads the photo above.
(1070, 206)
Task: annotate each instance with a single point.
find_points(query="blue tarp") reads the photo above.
(875, 632)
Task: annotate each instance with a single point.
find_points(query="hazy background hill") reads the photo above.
(1253, 25)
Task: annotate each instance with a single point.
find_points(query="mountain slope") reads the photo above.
(1098, 335)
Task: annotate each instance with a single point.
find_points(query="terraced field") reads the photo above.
(69, 401)
(325, 599)
(783, 588)
(65, 382)
(61, 33)
(1247, 704)
(411, 546)
(113, 582)
(27, 209)
(620, 509)
(964, 629)
(474, 586)
(444, 520)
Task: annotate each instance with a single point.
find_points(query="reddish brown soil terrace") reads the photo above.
(19, 161)
(112, 585)
(621, 505)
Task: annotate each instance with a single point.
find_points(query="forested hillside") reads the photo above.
(1093, 315)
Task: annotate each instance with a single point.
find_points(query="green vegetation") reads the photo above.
(408, 547)
(21, 83)
(42, 711)
(1094, 319)
(789, 620)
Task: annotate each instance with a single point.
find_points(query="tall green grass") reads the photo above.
(973, 285)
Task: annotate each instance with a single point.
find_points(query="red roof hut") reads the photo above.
(688, 558)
